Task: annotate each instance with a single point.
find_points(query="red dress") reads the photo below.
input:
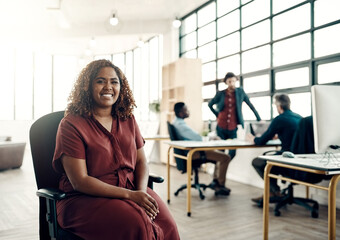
(110, 157)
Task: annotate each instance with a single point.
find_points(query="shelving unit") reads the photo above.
(181, 82)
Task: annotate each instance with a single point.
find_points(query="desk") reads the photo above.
(194, 146)
(307, 163)
(157, 137)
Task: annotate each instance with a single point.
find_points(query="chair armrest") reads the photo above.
(51, 193)
(272, 152)
(155, 178)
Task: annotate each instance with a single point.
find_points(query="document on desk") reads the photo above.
(326, 162)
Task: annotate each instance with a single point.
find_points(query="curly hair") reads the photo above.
(81, 99)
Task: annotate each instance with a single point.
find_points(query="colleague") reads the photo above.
(227, 107)
(99, 152)
(284, 126)
(220, 159)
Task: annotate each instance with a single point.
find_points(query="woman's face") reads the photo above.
(105, 88)
(231, 82)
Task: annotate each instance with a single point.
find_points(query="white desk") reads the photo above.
(194, 146)
(307, 163)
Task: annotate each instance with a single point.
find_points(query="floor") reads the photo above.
(225, 217)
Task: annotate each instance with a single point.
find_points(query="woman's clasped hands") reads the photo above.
(147, 202)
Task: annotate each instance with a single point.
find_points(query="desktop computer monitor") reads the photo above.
(326, 117)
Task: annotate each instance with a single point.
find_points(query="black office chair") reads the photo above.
(302, 143)
(42, 141)
(182, 164)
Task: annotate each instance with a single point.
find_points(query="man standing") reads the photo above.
(221, 160)
(284, 126)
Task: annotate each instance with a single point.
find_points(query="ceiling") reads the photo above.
(37, 23)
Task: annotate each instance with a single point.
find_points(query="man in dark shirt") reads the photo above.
(284, 126)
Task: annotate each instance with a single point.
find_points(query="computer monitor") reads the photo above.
(326, 117)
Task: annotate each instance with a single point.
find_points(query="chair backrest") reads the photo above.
(303, 143)
(181, 163)
(42, 140)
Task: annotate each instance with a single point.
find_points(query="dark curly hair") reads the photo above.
(81, 100)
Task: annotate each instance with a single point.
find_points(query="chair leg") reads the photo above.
(196, 185)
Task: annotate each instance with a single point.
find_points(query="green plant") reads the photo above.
(155, 106)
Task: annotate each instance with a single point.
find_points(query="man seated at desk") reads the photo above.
(221, 160)
(284, 125)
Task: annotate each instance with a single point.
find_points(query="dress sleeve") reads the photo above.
(68, 142)
(138, 136)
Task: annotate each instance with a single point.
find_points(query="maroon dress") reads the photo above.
(110, 157)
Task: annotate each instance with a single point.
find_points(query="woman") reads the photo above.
(229, 109)
(99, 151)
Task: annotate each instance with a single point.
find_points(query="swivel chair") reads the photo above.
(182, 166)
(302, 143)
(42, 140)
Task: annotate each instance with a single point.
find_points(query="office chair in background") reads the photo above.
(42, 140)
(182, 164)
(302, 143)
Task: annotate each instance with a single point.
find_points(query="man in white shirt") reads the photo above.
(221, 160)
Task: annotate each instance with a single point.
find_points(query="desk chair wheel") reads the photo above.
(277, 213)
(315, 214)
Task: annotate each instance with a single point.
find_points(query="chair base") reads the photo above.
(307, 203)
(198, 186)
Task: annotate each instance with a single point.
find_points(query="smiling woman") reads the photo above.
(100, 154)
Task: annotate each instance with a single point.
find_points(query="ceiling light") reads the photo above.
(114, 20)
(176, 23)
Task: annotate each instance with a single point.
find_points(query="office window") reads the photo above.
(189, 24)
(189, 42)
(7, 66)
(228, 64)
(207, 113)
(224, 6)
(284, 51)
(209, 71)
(301, 103)
(260, 30)
(42, 85)
(255, 43)
(327, 40)
(279, 5)
(23, 85)
(64, 75)
(256, 59)
(262, 106)
(255, 11)
(119, 61)
(137, 79)
(256, 84)
(208, 91)
(206, 34)
(129, 68)
(229, 23)
(144, 87)
(285, 24)
(206, 14)
(292, 78)
(228, 45)
(190, 54)
(207, 52)
(326, 11)
(328, 73)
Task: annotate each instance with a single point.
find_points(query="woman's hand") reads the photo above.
(147, 202)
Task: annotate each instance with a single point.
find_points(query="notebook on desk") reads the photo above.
(258, 128)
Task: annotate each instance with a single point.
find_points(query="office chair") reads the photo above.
(302, 143)
(182, 164)
(42, 140)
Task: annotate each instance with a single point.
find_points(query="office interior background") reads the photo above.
(275, 46)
